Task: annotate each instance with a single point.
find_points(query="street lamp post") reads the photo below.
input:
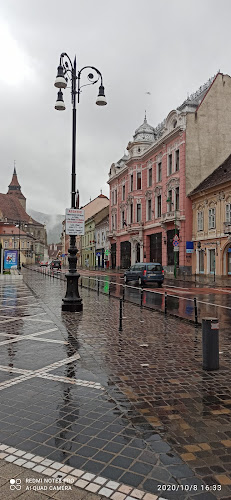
(67, 70)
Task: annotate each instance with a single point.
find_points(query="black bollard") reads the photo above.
(121, 312)
(141, 297)
(165, 303)
(109, 291)
(195, 310)
(123, 293)
(210, 343)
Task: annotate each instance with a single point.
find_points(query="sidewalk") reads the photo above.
(133, 409)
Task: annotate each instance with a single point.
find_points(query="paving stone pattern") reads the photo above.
(88, 403)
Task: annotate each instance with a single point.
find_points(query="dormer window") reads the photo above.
(138, 150)
(174, 123)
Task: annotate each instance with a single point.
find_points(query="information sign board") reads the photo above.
(10, 259)
(74, 222)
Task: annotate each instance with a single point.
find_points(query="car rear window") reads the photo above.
(154, 267)
(139, 267)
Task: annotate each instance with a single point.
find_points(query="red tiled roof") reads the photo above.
(14, 180)
(14, 186)
(11, 209)
(9, 229)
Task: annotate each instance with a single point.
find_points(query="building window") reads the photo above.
(112, 197)
(15, 244)
(138, 212)
(5, 244)
(200, 221)
(149, 210)
(228, 213)
(28, 244)
(170, 164)
(177, 198)
(138, 180)
(122, 219)
(123, 192)
(115, 196)
(131, 182)
(169, 200)
(159, 205)
(159, 172)
(212, 260)
(150, 177)
(131, 213)
(112, 222)
(115, 216)
(201, 261)
(212, 218)
(177, 160)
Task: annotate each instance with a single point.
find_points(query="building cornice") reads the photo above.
(151, 150)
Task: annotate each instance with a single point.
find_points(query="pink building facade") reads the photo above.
(148, 203)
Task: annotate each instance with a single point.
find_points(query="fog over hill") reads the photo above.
(53, 224)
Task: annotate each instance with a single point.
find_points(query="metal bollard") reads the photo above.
(121, 312)
(141, 297)
(123, 293)
(195, 310)
(165, 303)
(98, 288)
(210, 343)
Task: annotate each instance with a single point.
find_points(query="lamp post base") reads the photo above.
(72, 302)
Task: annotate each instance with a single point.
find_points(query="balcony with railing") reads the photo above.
(170, 216)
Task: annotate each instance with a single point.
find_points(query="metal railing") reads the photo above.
(188, 308)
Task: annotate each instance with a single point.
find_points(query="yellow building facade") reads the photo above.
(211, 204)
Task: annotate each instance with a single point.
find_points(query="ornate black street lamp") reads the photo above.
(67, 70)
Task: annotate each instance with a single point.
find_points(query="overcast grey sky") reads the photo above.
(167, 47)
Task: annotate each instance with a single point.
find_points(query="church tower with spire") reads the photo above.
(15, 189)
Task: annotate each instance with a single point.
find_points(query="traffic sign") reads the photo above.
(176, 238)
(175, 243)
(176, 249)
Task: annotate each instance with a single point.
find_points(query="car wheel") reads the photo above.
(140, 282)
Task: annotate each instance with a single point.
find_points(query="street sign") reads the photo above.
(176, 249)
(176, 238)
(175, 243)
(74, 222)
(98, 254)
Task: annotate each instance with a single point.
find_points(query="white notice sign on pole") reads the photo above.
(74, 222)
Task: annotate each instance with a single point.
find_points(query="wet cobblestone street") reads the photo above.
(133, 408)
